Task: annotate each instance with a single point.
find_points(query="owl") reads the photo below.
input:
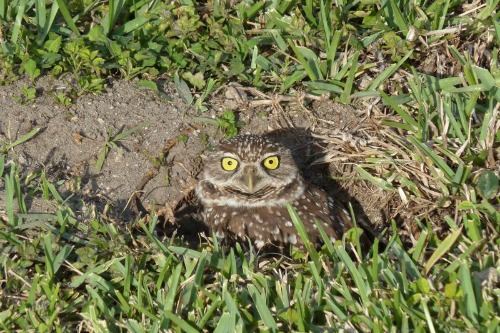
(245, 186)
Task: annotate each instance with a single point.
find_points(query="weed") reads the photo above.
(111, 143)
(28, 94)
(63, 99)
(24, 138)
(228, 123)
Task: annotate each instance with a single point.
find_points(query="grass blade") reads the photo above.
(17, 23)
(382, 183)
(102, 157)
(48, 23)
(442, 249)
(345, 97)
(262, 308)
(471, 308)
(395, 16)
(364, 289)
(2, 164)
(439, 163)
(10, 192)
(181, 323)
(173, 284)
(301, 230)
(129, 132)
(309, 61)
(67, 17)
(410, 120)
(61, 256)
(382, 77)
(111, 17)
(49, 255)
(41, 14)
(3, 8)
(226, 324)
(28, 136)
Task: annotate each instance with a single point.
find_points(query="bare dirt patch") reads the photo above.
(69, 142)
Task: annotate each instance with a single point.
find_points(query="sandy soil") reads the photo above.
(70, 140)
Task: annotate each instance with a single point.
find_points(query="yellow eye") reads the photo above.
(229, 163)
(271, 162)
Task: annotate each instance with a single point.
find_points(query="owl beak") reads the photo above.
(249, 178)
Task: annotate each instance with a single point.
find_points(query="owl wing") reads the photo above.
(316, 204)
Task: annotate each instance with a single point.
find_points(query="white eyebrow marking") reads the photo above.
(270, 154)
(228, 154)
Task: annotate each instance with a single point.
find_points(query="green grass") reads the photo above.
(65, 271)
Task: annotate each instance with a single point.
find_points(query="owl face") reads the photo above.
(249, 171)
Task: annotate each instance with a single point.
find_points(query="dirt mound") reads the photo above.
(327, 140)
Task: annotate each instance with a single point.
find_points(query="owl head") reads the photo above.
(251, 171)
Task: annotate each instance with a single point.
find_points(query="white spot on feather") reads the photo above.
(259, 243)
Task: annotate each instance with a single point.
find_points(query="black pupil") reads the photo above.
(229, 162)
(271, 161)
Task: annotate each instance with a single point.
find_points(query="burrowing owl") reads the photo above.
(245, 186)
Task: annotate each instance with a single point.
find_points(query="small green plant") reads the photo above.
(28, 94)
(111, 143)
(24, 138)
(488, 185)
(209, 88)
(30, 68)
(151, 85)
(228, 123)
(63, 99)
